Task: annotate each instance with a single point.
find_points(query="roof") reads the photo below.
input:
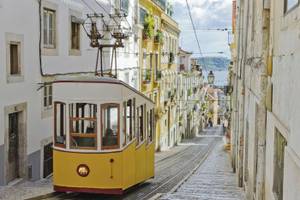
(97, 79)
(185, 52)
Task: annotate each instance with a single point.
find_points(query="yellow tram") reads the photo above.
(103, 136)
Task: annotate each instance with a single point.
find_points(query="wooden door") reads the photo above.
(13, 146)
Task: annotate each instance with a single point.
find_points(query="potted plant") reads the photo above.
(147, 76)
(149, 24)
(189, 92)
(158, 38)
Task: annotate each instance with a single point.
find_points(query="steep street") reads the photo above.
(171, 167)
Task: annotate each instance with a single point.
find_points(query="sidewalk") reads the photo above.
(214, 180)
(26, 190)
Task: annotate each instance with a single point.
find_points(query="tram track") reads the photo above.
(168, 182)
(179, 173)
(169, 172)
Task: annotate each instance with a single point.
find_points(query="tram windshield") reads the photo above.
(83, 125)
(110, 126)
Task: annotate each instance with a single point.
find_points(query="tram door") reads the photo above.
(13, 146)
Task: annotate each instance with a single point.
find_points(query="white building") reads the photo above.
(38, 40)
(265, 137)
(190, 96)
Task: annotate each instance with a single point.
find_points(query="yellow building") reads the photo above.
(158, 47)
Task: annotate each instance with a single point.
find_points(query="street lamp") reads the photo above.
(211, 78)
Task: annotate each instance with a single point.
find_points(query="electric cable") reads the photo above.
(195, 32)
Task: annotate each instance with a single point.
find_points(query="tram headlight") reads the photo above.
(83, 170)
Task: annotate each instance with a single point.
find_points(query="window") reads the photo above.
(129, 117)
(156, 67)
(75, 35)
(280, 144)
(110, 126)
(290, 4)
(140, 114)
(48, 96)
(126, 77)
(49, 30)
(60, 124)
(133, 119)
(143, 14)
(150, 125)
(83, 125)
(14, 59)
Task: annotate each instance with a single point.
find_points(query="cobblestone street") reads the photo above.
(214, 180)
(178, 176)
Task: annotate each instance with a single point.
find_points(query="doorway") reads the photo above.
(13, 146)
(15, 142)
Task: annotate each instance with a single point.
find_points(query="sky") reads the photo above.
(207, 14)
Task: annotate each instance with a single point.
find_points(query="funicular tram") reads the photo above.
(103, 135)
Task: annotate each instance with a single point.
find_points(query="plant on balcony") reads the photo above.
(149, 25)
(189, 92)
(158, 38)
(147, 76)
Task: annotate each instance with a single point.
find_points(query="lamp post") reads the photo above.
(211, 78)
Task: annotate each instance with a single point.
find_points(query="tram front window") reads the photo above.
(83, 125)
(110, 126)
(59, 124)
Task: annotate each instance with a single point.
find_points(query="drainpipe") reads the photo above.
(40, 38)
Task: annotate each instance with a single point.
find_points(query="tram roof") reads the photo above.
(97, 79)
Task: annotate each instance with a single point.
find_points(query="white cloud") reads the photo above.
(207, 14)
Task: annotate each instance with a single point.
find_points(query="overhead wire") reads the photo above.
(195, 32)
(88, 6)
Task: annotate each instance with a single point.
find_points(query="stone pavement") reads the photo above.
(26, 189)
(213, 180)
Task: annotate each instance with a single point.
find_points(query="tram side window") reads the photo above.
(148, 127)
(151, 126)
(110, 126)
(83, 125)
(124, 123)
(141, 123)
(60, 124)
(138, 125)
(133, 119)
(129, 120)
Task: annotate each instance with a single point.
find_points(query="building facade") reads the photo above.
(43, 40)
(264, 124)
(159, 35)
